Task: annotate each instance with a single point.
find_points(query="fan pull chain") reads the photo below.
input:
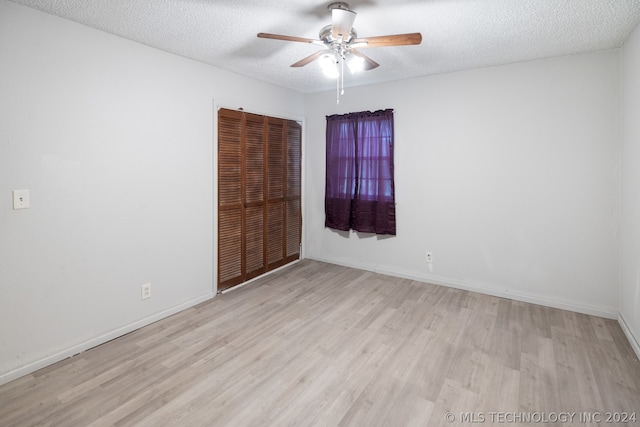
(342, 74)
(340, 79)
(337, 90)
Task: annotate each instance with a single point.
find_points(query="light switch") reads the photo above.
(21, 199)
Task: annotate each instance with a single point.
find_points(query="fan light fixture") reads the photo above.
(355, 63)
(332, 64)
(329, 64)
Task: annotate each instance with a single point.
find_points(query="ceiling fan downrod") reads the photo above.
(338, 5)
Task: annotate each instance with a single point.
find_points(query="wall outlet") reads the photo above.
(146, 291)
(429, 257)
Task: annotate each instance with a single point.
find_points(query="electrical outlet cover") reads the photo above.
(146, 291)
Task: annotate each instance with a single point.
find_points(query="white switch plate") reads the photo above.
(429, 257)
(21, 199)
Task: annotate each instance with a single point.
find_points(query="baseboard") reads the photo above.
(630, 337)
(72, 351)
(600, 311)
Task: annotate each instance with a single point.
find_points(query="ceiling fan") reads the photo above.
(342, 44)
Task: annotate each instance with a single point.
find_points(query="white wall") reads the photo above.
(115, 142)
(510, 175)
(630, 280)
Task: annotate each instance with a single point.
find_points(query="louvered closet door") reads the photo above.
(254, 200)
(275, 193)
(230, 205)
(259, 214)
(293, 211)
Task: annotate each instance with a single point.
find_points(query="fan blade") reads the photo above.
(287, 38)
(341, 23)
(369, 64)
(394, 40)
(308, 59)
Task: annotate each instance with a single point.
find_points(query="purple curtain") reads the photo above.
(359, 192)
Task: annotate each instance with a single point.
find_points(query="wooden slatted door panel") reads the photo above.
(230, 206)
(275, 192)
(293, 230)
(294, 159)
(230, 247)
(254, 159)
(254, 241)
(276, 143)
(259, 206)
(254, 199)
(293, 218)
(275, 235)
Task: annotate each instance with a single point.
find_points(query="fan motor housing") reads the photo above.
(327, 37)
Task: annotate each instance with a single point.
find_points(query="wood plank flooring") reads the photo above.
(323, 345)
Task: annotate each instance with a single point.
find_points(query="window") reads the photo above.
(359, 192)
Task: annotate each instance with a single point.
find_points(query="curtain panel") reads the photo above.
(359, 191)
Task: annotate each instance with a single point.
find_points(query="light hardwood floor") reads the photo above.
(323, 345)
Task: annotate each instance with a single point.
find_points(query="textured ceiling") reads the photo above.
(457, 34)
